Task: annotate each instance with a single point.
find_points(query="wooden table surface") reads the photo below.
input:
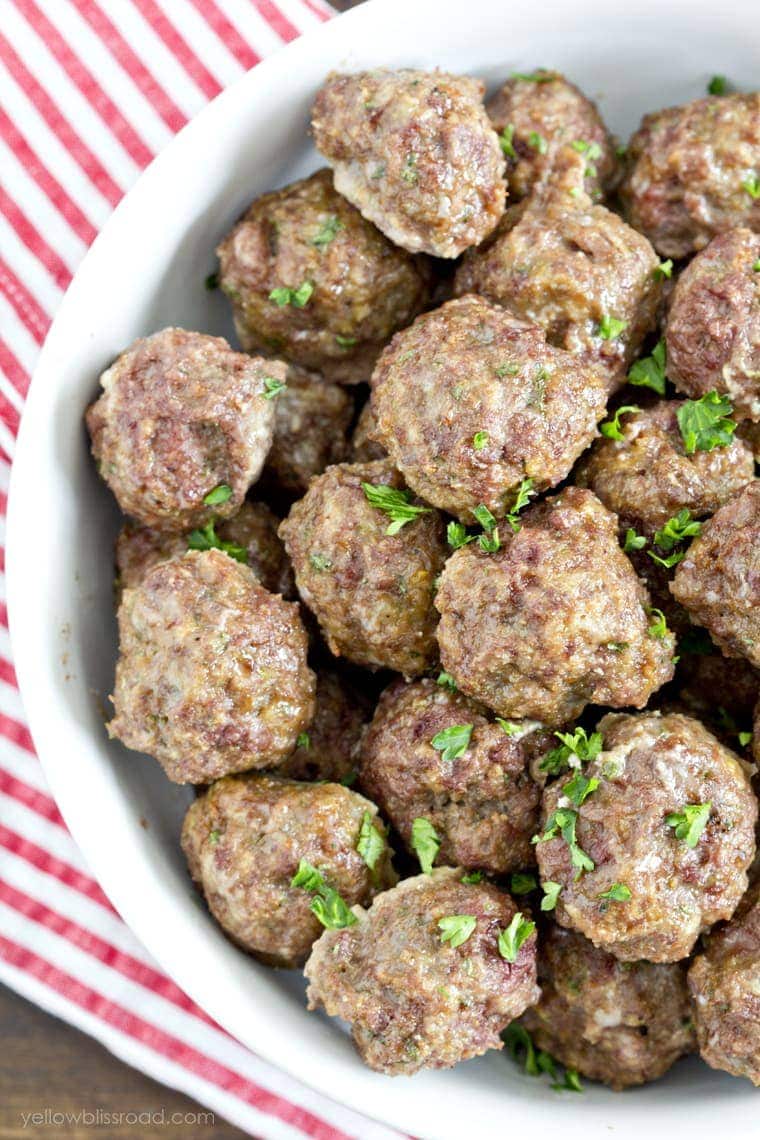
(45, 1064)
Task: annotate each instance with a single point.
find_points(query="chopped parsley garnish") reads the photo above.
(484, 517)
(618, 892)
(350, 779)
(456, 535)
(649, 372)
(345, 341)
(522, 883)
(592, 151)
(552, 892)
(538, 142)
(611, 428)
(524, 492)
(272, 387)
(507, 370)
(659, 627)
(752, 186)
(563, 822)
(664, 270)
(575, 748)
(675, 532)
(717, 85)
(610, 327)
(580, 787)
(425, 842)
(706, 423)
(220, 494)
(206, 538)
(508, 726)
(452, 742)
(505, 141)
(571, 1082)
(214, 836)
(479, 440)
(409, 172)
(756, 266)
(512, 938)
(744, 738)
(488, 542)
(303, 740)
(539, 76)
(395, 503)
(320, 562)
(370, 844)
(446, 681)
(473, 877)
(456, 928)
(212, 282)
(633, 541)
(299, 297)
(689, 822)
(537, 1062)
(327, 231)
(327, 905)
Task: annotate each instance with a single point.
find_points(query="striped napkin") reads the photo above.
(90, 91)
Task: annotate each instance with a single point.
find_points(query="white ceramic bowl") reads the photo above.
(145, 271)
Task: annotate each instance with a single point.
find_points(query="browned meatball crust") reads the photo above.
(243, 840)
(687, 170)
(470, 400)
(724, 982)
(212, 675)
(330, 748)
(364, 446)
(372, 592)
(413, 1001)
(621, 1023)
(357, 287)
(416, 153)
(482, 804)
(552, 621)
(573, 268)
(254, 528)
(539, 115)
(650, 769)
(180, 415)
(646, 477)
(310, 425)
(718, 581)
(713, 329)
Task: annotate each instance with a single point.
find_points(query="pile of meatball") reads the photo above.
(444, 588)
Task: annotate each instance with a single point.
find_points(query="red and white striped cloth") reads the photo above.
(90, 91)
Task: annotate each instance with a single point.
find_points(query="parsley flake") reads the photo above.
(664, 270)
(272, 387)
(320, 562)
(456, 535)
(395, 503)
(327, 231)
(552, 892)
(756, 266)
(649, 372)
(752, 186)
(611, 428)
(456, 928)
(505, 141)
(563, 822)
(675, 531)
(540, 76)
(610, 327)
(509, 726)
(479, 440)
(425, 843)
(744, 738)
(520, 1046)
(345, 341)
(575, 748)
(211, 282)
(524, 492)
(522, 883)
(299, 298)
(452, 742)
(327, 905)
(618, 892)
(717, 85)
(370, 844)
(206, 538)
(303, 740)
(446, 681)
(706, 423)
(633, 541)
(659, 627)
(690, 822)
(512, 938)
(592, 151)
(538, 142)
(580, 787)
(220, 494)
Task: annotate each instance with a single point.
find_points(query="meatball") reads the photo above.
(689, 169)
(364, 447)
(182, 422)
(538, 114)
(415, 152)
(371, 590)
(724, 982)
(647, 477)
(253, 529)
(470, 400)
(244, 839)
(655, 849)
(718, 581)
(212, 674)
(310, 279)
(555, 619)
(310, 426)
(574, 268)
(483, 803)
(330, 749)
(413, 1000)
(621, 1023)
(713, 329)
